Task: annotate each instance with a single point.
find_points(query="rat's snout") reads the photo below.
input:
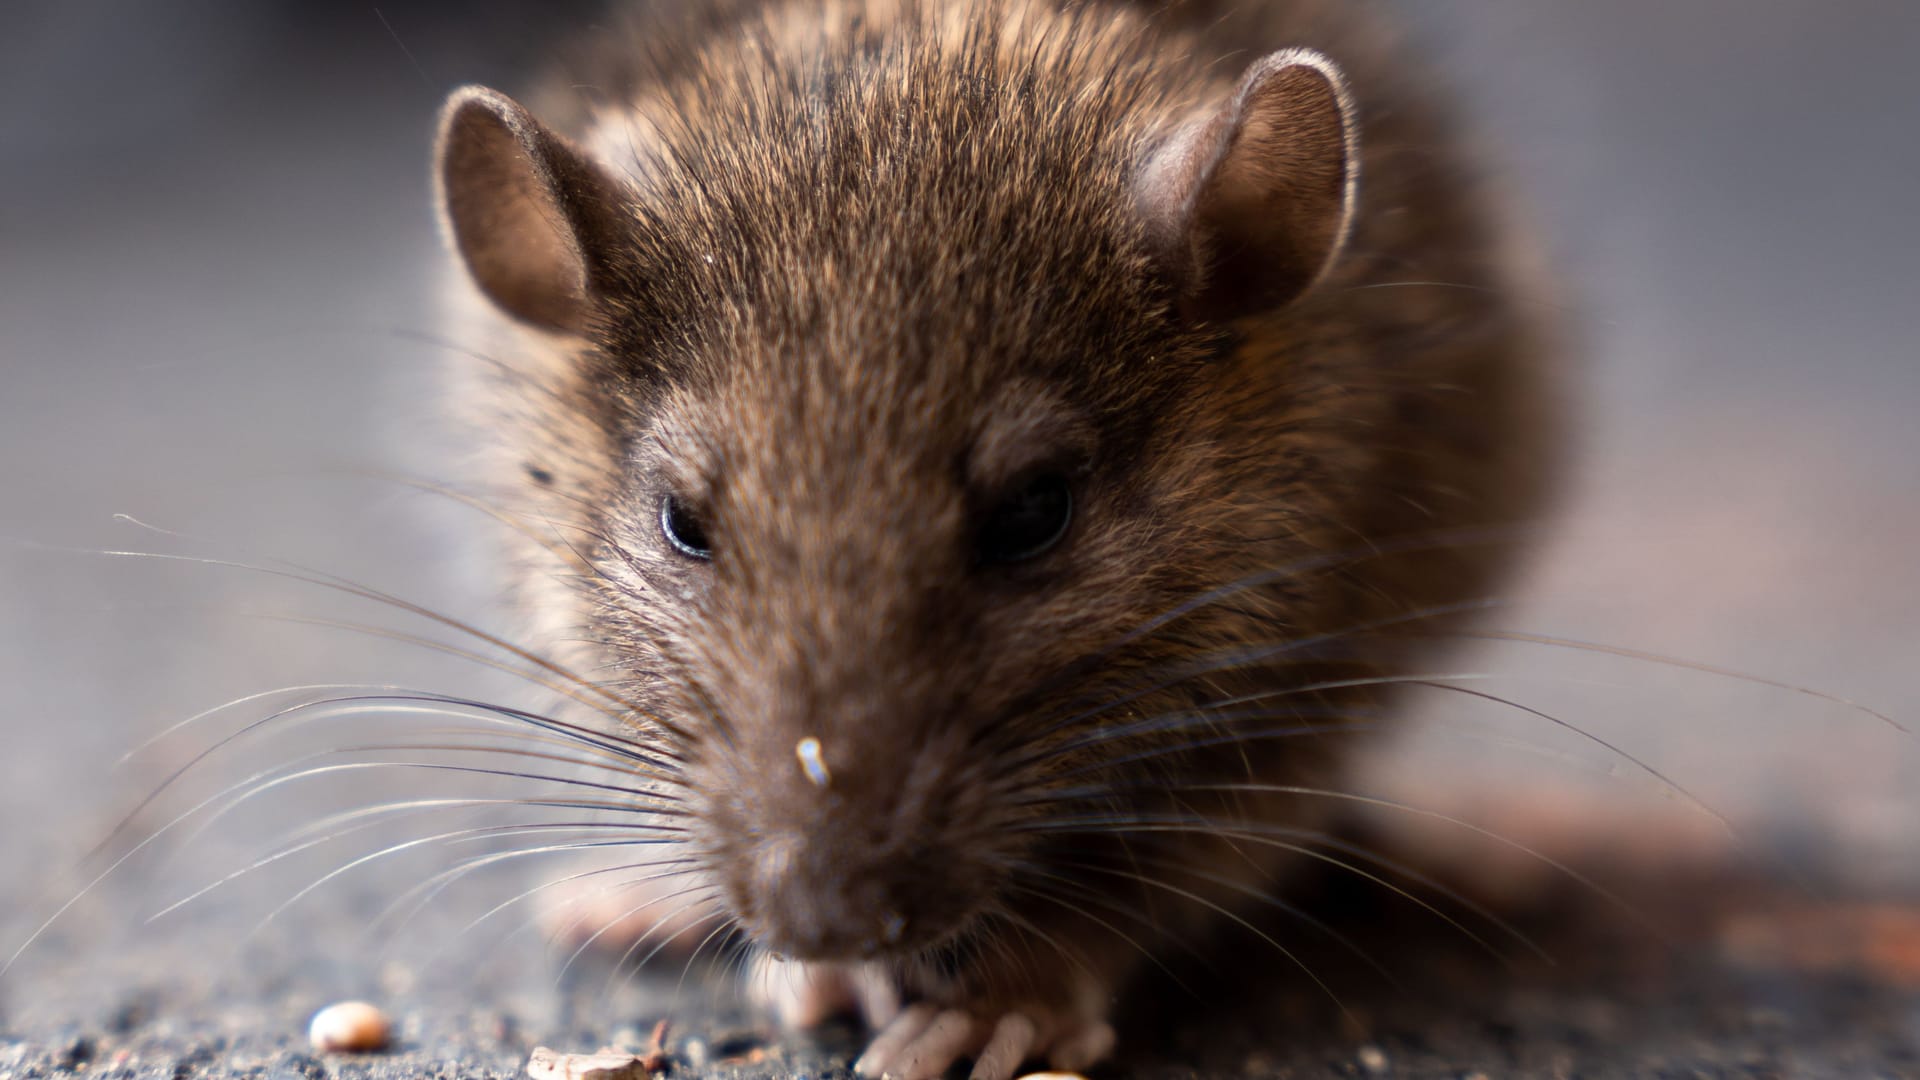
(816, 896)
(847, 861)
(847, 814)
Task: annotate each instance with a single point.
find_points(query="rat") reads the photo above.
(990, 460)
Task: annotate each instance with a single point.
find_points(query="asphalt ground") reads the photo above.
(216, 266)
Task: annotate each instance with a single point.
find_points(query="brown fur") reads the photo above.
(869, 264)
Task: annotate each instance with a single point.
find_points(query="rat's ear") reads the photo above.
(1247, 206)
(533, 219)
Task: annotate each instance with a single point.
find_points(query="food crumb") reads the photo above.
(350, 1027)
(548, 1064)
(655, 1058)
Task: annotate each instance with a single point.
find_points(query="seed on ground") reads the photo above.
(349, 1027)
(546, 1064)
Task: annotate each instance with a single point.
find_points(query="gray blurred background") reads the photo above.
(217, 259)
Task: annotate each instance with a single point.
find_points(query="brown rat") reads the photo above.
(990, 457)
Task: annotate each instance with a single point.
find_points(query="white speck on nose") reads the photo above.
(811, 763)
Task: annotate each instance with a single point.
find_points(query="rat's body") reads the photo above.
(992, 452)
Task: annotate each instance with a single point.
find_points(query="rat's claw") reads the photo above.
(922, 1043)
(1077, 1049)
(893, 1038)
(952, 1035)
(877, 994)
(800, 994)
(1012, 1040)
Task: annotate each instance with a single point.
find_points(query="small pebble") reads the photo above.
(1372, 1059)
(74, 1053)
(350, 1027)
(133, 1012)
(294, 1066)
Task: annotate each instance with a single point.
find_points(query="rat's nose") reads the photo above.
(816, 897)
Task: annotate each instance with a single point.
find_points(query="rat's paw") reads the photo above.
(633, 919)
(803, 995)
(924, 1041)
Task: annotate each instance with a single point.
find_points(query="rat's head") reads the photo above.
(881, 410)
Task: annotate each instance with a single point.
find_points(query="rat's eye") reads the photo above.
(683, 529)
(1028, 521)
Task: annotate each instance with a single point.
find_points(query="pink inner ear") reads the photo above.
(1246, 207)
(526, 211)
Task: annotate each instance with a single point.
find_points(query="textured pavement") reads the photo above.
(216, 269)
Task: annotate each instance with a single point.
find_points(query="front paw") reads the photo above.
(803, 995)
(924, 1041)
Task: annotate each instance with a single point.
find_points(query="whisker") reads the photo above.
(1228, 737)
(1243, 656)
(1057, 897)
(267, 779)
(567, 929)
(364, 817)
(427, 890)
(476, 832)
(629, 913)
(248, 699)
(511, 740)
(1671, 784)
(444, 648)
(155, 836)
(626, 960)
(680, 985)
(1269, 836)
(386, 852)
(1206, 714)
(510, 749)
(487, 712)
(659, 865)
(321, 579)
(1345, 941)
(1255, 829)
(633, 802)
(1685, 665)
(1427, 284)
(1069, 955)
(564, 552)
(1228, 914)
(480, 862)
(126, 821)
(1438, 540)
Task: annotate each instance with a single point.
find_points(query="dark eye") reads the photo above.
(1029, 521)
(683, 529)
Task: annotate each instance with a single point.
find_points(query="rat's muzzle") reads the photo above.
(832, 894)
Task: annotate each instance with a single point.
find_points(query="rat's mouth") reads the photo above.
(887, 941)
(811, 898)
(838, 932)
